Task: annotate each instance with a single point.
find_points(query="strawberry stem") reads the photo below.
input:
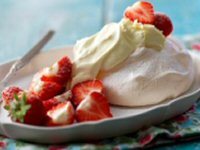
(19, 108)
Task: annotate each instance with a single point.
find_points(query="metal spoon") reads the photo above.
(19, 64)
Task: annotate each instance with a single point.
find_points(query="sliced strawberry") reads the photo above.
(48, 90)
(44, 90)
(163, 23)
(141, 11)
(83, 89)
(27, 109)
(60, 72)
(94, 107)
(48, 104)
(9, 92)
(62, 114)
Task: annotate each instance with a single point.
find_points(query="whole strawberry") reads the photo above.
(27, 108)
(163, 23)
(8, 94)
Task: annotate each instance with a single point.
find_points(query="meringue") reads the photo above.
(149, 77)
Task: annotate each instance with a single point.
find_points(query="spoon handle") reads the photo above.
(25, 59)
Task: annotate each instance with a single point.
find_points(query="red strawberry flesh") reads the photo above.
(64, 72)
(48, 104)
(62, 114)
(49, 90)
(141, 11)
(83, 89)
(93, 107)
(44, 90)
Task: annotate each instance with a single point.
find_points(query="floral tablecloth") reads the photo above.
(182, 128)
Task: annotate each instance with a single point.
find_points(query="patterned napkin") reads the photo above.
(184, 127)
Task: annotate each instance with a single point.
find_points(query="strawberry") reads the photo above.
(61, 114)
(60, 72)
(9, 92)
(141, 11)
(163, 23)
(81, 90)
(48, 104)
(49, 90)
(27, 109)
(94, 107)
(44, 90)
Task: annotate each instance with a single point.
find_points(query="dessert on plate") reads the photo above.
(136, 59)
(130, 63)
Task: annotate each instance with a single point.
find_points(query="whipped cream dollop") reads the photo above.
(111, 46)
(149, 77)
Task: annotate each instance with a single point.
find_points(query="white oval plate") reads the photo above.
(125, 120)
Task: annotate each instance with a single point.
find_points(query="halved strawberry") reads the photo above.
(60, 72)
(62, 114)
(9, 92)
(141, 11)
(44, 90)
(47, 90)
(83, 89)
(163, 23)
(48, 104)
(27, 108)
(94, 107)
